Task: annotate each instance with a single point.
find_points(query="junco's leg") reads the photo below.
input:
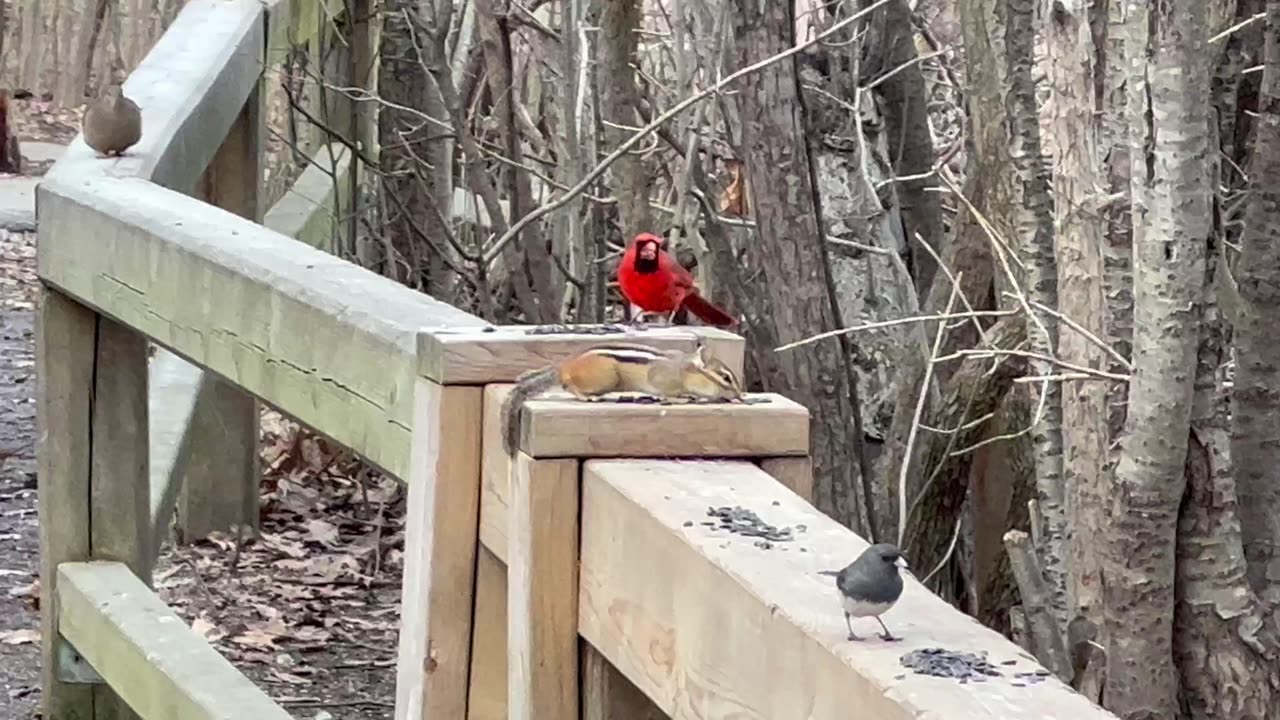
(887, 636)
(848, 623)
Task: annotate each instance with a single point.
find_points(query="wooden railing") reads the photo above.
(577, 579)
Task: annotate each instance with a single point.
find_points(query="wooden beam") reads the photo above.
(567, 427)
(608, 695)
(487, 696)
(65, 354)
(440, 553)
(624, 430)
(795, 473)
(704, 621)
(482, 355)
(147, 654)
(312, 209)
(325, 341)
(190, 88)
(542, 587)
(221, 477)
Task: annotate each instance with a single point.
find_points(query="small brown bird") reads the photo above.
(112, 123)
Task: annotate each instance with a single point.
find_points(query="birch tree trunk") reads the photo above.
(1225, 651)
(1169, 275)
(1255, 442)
(1034, 229)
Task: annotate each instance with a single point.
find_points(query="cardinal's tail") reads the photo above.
(707, 312)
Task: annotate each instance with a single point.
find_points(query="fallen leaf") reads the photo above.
(29, 590)
(20, 637)
(207, 630)
(322, 532)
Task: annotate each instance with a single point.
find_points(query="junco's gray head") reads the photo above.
(871, 584)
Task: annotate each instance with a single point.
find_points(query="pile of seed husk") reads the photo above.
(742, 521)
(964, 666)
(604, 329)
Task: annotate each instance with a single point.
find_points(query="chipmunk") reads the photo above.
(113, 123)
(623, 367)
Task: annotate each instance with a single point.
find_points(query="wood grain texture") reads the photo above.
(440, 553)
(607, 694)
(495, 475)
(271, 315)
(487, 696)
(65, 356)
(560, 426)
(714, 626)
(147, 654)
(120, 490)
(795, 473)
(542, 590)
(474, 356)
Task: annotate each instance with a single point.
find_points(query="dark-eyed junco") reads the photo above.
(870, 585)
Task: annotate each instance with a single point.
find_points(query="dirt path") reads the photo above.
(19, 544)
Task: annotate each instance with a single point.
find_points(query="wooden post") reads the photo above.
(794, 472)
(440, 553)
(607, 694)
(93, 480)
(65, 354)
(487, 697)
(220, 478)
(542, 581)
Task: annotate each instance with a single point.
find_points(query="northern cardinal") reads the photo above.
(653, 281)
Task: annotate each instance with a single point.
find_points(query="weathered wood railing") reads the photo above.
(578, 580)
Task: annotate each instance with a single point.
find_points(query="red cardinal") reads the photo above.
(653, 281)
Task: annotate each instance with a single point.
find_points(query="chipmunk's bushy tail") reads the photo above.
(527, 385)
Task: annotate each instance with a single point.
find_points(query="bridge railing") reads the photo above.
(582, 577)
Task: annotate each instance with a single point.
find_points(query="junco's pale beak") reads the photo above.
(901, 562)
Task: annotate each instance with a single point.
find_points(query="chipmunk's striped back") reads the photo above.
(621, 367)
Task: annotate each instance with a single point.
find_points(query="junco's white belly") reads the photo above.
(862, 608)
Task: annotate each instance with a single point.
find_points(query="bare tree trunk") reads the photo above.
(782, 280)
(1169, 270)
(989, 187)
(1223, 642)
(538, 296)
(619, 21)
(75, 74)
(1080, 231)
(405, 82)
(1255, 444)
(1040, 283)
(907, 131)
